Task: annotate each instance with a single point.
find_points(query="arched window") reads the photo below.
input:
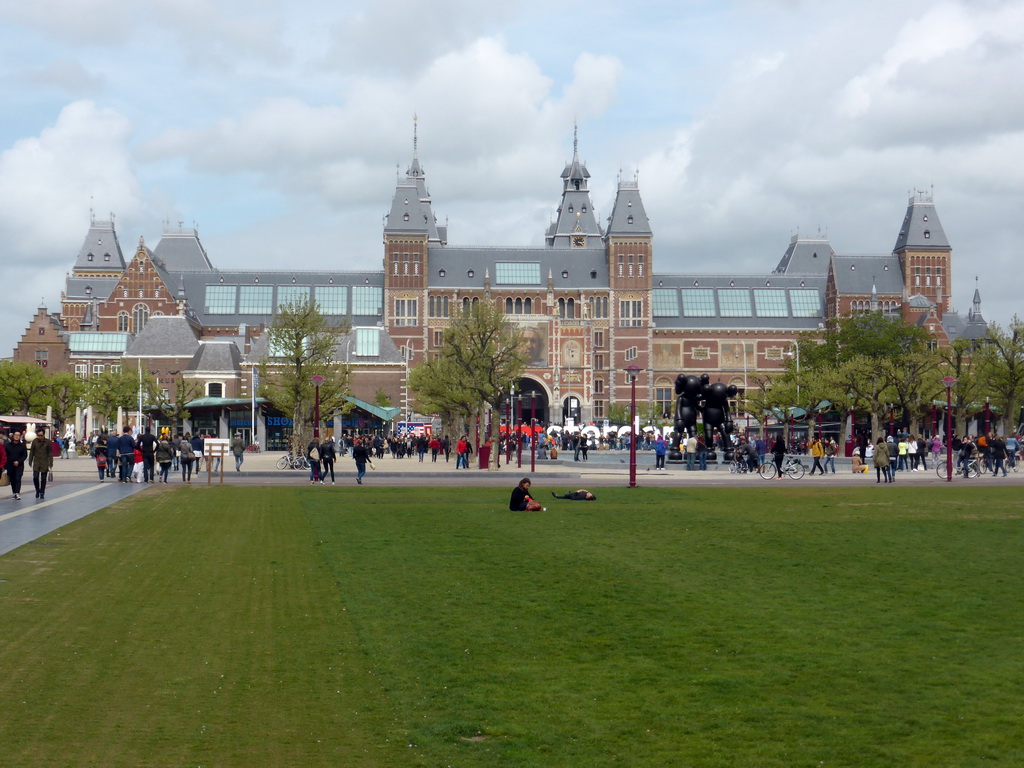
(528, 306)
(140, 316)
(519, 306)
(508, 306)
(122, 322)
(561, 308)
(570, 309)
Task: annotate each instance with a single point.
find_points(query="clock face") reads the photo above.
(578, 241)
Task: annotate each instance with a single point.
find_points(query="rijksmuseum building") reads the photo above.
(590, 300)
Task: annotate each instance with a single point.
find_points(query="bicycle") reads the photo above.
(290, 461)
(791, 466)
(942, 468)
(740, 467)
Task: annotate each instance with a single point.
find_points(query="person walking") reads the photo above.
(997, 450)
(881, 459)
(817, 453)
(831, 449)
(313, 455)
(691, 452)
(238, 450)
(778, 455)
(186, 455)
(17, 453)
(164, 456)
(101, 456)
(327, 458)
(361, 456)
(147, 444)
(126, 449)
(40, 458)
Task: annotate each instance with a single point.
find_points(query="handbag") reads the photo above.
(5, 479)
(49, 477)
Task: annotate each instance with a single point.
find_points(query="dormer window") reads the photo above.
(470, 273)
(106, 257)
(927, 234)
(629, 219)
(90, 257)
(441, 273)
(405, 217)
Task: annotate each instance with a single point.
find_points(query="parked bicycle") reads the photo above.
(290, 461)
(791, 467)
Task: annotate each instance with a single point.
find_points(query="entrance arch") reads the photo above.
(531, 400)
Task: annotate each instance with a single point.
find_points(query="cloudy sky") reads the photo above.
(278, 129)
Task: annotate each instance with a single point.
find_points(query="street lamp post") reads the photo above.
(948, 383)
(317, 381)
(533, 433)
(988, 418)
(632, 371)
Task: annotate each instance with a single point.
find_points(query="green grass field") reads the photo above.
(797, 626)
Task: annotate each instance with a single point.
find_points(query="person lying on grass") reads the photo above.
(579, 495)
(521, 500)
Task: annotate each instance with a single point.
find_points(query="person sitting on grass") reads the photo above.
(521, 500)
(579, 495)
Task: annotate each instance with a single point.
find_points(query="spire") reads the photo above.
(415, 171)
(976, 303)
(874, 295)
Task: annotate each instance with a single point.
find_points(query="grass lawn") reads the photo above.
(795, 626)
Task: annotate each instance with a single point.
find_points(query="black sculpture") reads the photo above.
(688, 392)
(716, 412)
(698, 396)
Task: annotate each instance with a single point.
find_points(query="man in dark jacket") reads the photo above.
(126, 447)
(147, 444)
(17, 453)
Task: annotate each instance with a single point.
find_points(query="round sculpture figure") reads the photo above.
(716, 412)
(688, 394)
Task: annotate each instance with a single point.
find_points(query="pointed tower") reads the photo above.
(410, 229)
(98, 266)
(576, 225)
(924, 253)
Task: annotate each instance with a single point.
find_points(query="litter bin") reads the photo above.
(485, 455)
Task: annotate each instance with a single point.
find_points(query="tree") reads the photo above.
(173, 408)
(1002, 365)
(914, 380)
(66, 392)
(960, 360)
(481, 354)
(110, 390)
(24, 388)
(303, 345)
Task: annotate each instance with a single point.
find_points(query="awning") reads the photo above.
(381, 412)
(23, 420)
(223, 402)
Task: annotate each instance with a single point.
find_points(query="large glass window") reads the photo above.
(332, 299)
(256, 300)
(405, 312)
(292, 294)
(367, 342)
(665, 302)
(220, 299)
(631, 313)
(770, 302)
(517, 273)
(698, 302)
(806, 302)
(734, 302)
(367, 300)
(140, 316)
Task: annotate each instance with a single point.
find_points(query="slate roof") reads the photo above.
(806, 256)
(465, 268)
(216, 357)
(181, 251)
(411, 211)
(387, 352)
(628, 214)
(165, 336)
(858, 274)
(921, 229)
(77, 288)
(102, 245)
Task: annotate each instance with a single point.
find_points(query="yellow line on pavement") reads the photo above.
(32, 507)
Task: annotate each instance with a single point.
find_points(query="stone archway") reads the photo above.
(531, 400)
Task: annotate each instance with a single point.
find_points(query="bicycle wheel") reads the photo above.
(303, 462)
(767, 470)
(283, 463)
(942, 469)
(795, 470)
(972, 469)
